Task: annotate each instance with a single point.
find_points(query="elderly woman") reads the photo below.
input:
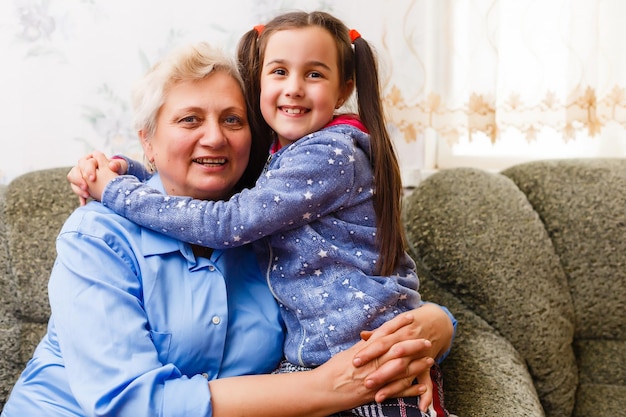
(145, 325)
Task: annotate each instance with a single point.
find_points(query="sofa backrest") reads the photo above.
(33, 208)
(539, 252)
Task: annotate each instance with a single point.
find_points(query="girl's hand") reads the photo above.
(104, 174)
(402, 354)
(86, 169)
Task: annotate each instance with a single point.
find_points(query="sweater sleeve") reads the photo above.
(136, 168)
(306, 182)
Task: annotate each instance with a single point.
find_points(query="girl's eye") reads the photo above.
(279, 71)
(315, 74)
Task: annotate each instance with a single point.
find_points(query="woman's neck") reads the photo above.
(201, 251)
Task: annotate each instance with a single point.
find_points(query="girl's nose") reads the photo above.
(294, 87)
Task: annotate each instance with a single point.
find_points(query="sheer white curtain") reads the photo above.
(512, 80)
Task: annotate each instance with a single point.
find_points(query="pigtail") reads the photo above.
(387, 179)
(248, 60)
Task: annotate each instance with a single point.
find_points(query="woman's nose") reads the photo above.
(213, 135)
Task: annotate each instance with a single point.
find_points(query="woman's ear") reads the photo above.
(146, 144)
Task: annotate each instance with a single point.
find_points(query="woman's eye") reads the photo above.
(233, 121)
(189, 119)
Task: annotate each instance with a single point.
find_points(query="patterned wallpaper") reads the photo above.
(68, 66)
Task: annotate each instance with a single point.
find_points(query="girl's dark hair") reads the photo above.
(358, 64)
(260, 130)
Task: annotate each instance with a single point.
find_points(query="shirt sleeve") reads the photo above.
(454, 323)
(110, 358)
(309, 181)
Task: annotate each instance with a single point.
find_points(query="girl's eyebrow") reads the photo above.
(280, 61)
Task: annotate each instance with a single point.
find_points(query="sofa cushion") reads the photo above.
(483, 241)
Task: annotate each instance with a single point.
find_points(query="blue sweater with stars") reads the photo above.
(311, 218)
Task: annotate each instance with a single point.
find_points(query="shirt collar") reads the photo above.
(155, 243)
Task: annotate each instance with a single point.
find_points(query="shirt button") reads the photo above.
(205, 375)
(216, 320)
(211, 268)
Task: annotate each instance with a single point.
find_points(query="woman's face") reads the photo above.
(201, 144)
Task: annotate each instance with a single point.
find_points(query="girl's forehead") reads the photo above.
(294, 41)
(312, 32)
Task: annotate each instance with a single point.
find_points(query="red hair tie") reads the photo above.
(354, 35)
(259, 29)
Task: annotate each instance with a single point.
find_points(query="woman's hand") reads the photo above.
(382, 367)
(85, 172)
(401, 353)
(333, 386)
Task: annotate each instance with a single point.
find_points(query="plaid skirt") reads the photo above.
(392, 407)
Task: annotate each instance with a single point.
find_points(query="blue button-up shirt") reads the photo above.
(139, 323)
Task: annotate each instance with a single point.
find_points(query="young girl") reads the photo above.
(325, 214)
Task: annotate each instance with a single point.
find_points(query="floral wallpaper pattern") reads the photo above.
(68, 66)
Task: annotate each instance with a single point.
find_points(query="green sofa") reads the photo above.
(532, 261)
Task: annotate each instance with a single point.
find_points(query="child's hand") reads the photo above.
(104, 173)
(426, 399)
(86, 167)
(85, 170)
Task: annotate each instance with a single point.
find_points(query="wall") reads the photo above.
(68, 66)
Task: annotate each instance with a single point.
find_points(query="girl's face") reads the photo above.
(300, 83)
(202, 141)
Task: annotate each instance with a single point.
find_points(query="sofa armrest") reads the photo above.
(483, 374)
(484, 243)
(9, 327)
(33, 208)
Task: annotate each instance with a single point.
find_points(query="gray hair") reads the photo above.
(190, 63)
